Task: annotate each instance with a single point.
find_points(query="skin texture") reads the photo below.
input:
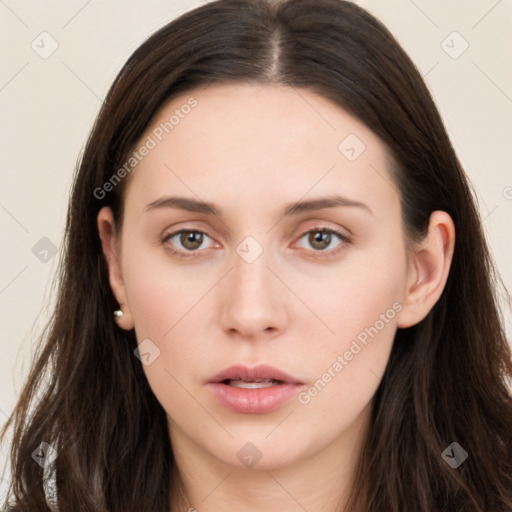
(252, 150)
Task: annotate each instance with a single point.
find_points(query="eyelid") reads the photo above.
(322, 226)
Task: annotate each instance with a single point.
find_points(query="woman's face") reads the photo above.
(261, 227)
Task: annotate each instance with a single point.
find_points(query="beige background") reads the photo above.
(48, 106)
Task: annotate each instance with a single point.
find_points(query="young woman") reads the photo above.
(276, 293)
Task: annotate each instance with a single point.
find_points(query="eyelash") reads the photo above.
(315, 254)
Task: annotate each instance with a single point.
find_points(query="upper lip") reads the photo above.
(255, 373)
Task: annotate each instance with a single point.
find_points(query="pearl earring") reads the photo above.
(118, 314)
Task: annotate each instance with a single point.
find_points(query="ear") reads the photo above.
(110, 244)
(428, 270)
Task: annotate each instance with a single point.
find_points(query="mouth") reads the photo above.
(260, 389)
(261, 376)
(251, 384)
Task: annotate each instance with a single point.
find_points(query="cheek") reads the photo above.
(346, 369)
(167, 312)
(160, 292)
(167, 308)
(367, 285)
(167, 316)
(361, 308)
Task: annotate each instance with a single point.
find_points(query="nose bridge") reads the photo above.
(252, 279)
(252, 304)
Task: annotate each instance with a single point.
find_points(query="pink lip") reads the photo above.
(253, 401)
(260, 372)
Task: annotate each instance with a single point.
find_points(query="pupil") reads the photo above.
(191, 239)
(320, 238)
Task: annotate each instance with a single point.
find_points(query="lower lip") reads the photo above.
(254, 401)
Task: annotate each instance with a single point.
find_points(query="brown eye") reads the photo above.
(186, 242)
(319, 239)
(322, 241)
(191, 240)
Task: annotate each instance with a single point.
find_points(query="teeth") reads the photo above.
(253, 384)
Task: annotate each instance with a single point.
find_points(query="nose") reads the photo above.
(253, 299)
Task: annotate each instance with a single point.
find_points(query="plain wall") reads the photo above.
(48, 104)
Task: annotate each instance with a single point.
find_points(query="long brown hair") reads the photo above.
(447, 377)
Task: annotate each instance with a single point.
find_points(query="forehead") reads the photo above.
(249, 139)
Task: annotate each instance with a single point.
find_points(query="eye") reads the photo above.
(190, 240)
(323, 240)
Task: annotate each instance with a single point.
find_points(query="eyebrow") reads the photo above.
(208, 208)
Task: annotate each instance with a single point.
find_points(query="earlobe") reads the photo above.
(110, 248)
(429, 270)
